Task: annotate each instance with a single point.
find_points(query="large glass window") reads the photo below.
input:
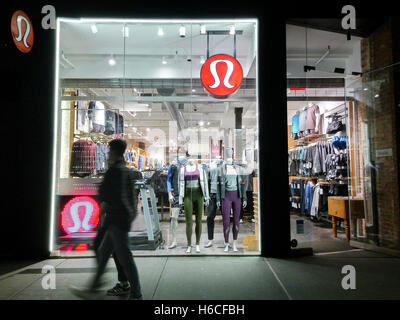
(183, 95)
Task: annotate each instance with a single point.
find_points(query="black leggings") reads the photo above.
(212, 212)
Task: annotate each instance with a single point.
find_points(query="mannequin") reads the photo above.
(214, 203)
(173, 194)
(313, 118)
(193, 194)
(233, 193)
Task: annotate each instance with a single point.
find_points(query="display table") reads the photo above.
(344, 207)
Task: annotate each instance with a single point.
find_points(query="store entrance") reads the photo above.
(320, 123)
(184, 98)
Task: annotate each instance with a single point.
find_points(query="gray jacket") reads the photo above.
(241, 183)
(203, 184)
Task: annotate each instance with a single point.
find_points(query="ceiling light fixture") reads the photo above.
(160, 31)
(202, 60)
(147, 129)
(202, 29)
(193, 90)
(201, 123)
(182, 32)
(112, 61)
(94, 28)
(208, 123)
(232, 30)
(164, 61)
(377, 96)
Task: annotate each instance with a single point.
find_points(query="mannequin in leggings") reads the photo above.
(193, 194)
(215, 202)
(233, 194)
(173, 195)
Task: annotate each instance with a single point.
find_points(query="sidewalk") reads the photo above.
(223, 278)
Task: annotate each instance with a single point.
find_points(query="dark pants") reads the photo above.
(211, 213)
(231, 198)
(116, 241)
(96, 244)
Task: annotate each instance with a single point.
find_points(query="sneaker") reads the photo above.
(119, 290)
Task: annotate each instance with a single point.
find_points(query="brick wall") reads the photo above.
(379, 113)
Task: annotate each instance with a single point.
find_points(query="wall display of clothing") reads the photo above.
(88, 158)
(92, 117)
(311, 199)
(327, 158)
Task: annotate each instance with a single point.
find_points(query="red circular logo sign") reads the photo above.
(221, 75)
(22, 31)
(80, 214)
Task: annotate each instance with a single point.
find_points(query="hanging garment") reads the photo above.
(295, 126)
(311, 120)
(302, 123)
(83, 158)
(120, 123)
(110, 122)
(82, 120)
(96, 114)
(308, 193)
(314, 211)
(101, 158)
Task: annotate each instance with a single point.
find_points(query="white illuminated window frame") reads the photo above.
(57, 101)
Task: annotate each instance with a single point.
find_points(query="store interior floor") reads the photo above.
(246, 228)
(318, 236)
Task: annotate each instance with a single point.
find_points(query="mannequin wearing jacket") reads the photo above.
(173, 194)
(214, 201)
(233, 194)
(193, 194)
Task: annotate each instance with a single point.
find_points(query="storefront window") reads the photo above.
(183, 95)
(375, 216)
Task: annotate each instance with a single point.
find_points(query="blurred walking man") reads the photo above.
(118, 199)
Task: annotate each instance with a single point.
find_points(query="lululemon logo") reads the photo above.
(221, 75)
(80, 214)
(22, 31)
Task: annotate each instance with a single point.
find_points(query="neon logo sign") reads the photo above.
(22, 31)
(80, 214)
(221, 75)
